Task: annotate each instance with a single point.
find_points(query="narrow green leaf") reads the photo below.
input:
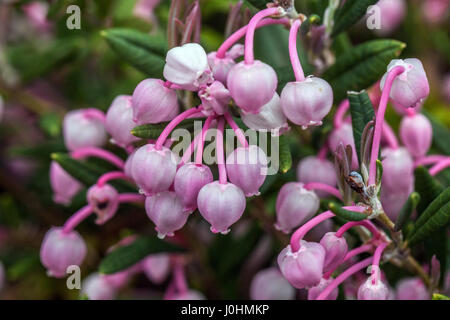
(285, 155)
(126, 256)
(362, 66)
(349, 14)
(427, 186)
(153, 131)
(406, 211)
(346, 214)
(379, 172)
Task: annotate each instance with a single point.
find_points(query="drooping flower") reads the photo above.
(344, 135)
(269, 284)
(416, 134)
(119, 121)
(373, 289)
(411, 289)
(215, 98)
(335, 250)
(314, 169)
(104, 201)
(220, 67)
(96, 287)
(64, 186)
(314, 292)
(157, 267)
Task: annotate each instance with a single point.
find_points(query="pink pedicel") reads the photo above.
(411, 87)
(392, 13)
(304, 268)
(97, 287)
(215, 99)
(60, 250)
(344, 135)
(156, 267)
(307, 102)
(64, 186)
(104, 201)
(314, 292)
(315, 169)
(270, 117)
(221, 204)
(295, 205)
(335, 250)
(190, 178)
(220, 67)
(153, 170)
(187, 66)
(165, 209)
(247, 169)
(119, 121)
(84, 128)
(416, 134)
(269, 284)
(252, 85)
(411, 289)
(153, 102)
(398, 167)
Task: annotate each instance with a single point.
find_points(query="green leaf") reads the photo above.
(50, 123)
(126, 256)
(346, 214)
(441, 135)
(427, 186)
(260, 4)
(379, 175)
(406, 211)
(153, 131)
(349, 14)
(361, 109)
(438, 296)
(285, 155)
(362, 66)
(144, 52)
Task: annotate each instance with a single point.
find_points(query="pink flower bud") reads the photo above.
(104, 200)
(335, 250)
(307, 102)
(416, 134)
(96, 287)
(221, 66)
(247, 169)
(60, 250)
(119, 121)
(84, 128)
(412, 289)
(187, 66)
(303, 269)
(153, 170)
(314, 292)
(344, 134)
(314, 169)
(252, 85)
(269, 284)
(190, 178)
(189, 295)
(215, 98)
(295, 205)
(157, 267)
(393, 201)
(128, 164)
(392, 13)
(221, 205)
(398, 170)
(373, 290)
(153, 102)
(410, 87)
(269, 117)
(166, 211)
(64, 186)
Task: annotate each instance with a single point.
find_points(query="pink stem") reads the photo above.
(77, 218)
(323, 187)
(340, 112)
(429, 160)
(180, 279)
(379, 121)
(199, 157)
(168, 295)
(389, 136)
(220, 153)
(250, 34)
(111, 176)
(293, 54)
(441, 165)
(376, 260)
(348, 256)
(343, 276)
(99, 153)
(239, 134)
(235, 37)
(323, 151)
(172, 125)
(365, 223)
(131, 197)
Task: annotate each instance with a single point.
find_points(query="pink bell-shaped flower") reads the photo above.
(393, 201)
(269, 284)
(157, 267)
(60, 250)
(190, 178)
(153, 170)
(373, 289)
(252, 85)
(314, 292)
(127, 167)
(187, 66)
(220, 67)
(416, 134)
(270, 117)
(153, 102)
(104, 200)
(398, 169)
(215, 98)
(412, 289)
(166, 211)
(411, 86)
(307, 102)
(344, 134)
(96, 287)
(119, 121)
(64, 186)
(221, 205)
(392, 13)
(84, 128)
(295, 205)
(314, 169)
(303, 269)
(335, 250)
(247, 169)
